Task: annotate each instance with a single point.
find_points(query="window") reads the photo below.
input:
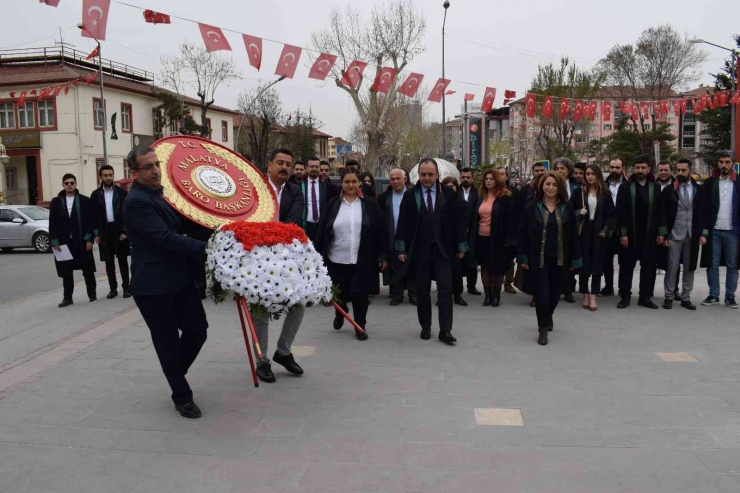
(98, 114)
(7, 115)
(224, 131)
(607, 126)
(210, 129)
(26, 115)
(157, 122)
(689, 143)
(617, 112)
(11, 178)
(99, 162)
(126, 123)
(46, 113)
(594, 127)
(7, 215)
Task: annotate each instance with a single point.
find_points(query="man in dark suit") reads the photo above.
(110, 233)
(161, 279)
(566, 168)
(613, 182)
(429, 236)
(291, 207)
(316, 194)
(469, 194)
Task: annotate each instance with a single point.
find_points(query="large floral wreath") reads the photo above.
(272, 265)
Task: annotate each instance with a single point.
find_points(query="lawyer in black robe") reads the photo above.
(108, 235)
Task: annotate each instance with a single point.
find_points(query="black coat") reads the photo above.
(291, 205)
(74, 230)
(102, 226)
(472, 196)
(669, 199)
(453, 229)
(530, 244)
(385, 202)
(593, 246)
(502, 241)
(711, 192)
(326, 192)
(160, 252)
(626, 200)
(373, 245)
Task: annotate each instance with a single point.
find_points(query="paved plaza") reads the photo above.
(620, 401)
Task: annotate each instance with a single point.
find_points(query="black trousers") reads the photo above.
(472, 276)
(166, 316)
(611, 246)
(549, 285)
(111, 238)
(341, 276)
(434, 265)
(397, 289)
(626, 273)
(68, 282)
(312, 231)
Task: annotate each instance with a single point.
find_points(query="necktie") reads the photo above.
(315, 207)
(430, 205)
(685, 193)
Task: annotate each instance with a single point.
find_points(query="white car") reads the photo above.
(24, 226)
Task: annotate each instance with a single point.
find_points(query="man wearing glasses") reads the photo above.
(162, 283)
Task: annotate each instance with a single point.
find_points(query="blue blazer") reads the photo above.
(159, 251)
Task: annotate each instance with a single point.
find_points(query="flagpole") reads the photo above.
(446, 5)
(102, 96)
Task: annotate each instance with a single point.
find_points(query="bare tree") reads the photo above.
(201, 70)
(259, 111)
(392, 37)
(660, 64)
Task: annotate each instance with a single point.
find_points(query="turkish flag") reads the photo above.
(547, 107)
(531, 105)
(57, 90)
(253, 45)
(450, 93)
(156, 17)
(439, 89)
(352, 76)
(735, 99)
(594, 107)
(411, 85)
(645, 109)
(578, 111)
(288, 61)
(723, 97)
(322, 66)
(564, 107)
(66, 88)
(488, 98)
(606, 110)
(635, 110)
(587, 111)
(22, 99)
(93, 54)
(682, 105)
(45, 92)
(469, 97)
(384, 79)
(33, 92)
(664, 107)
(53, 3)
(714, 103)
(95, 18)
(214, 38)
(508, 96)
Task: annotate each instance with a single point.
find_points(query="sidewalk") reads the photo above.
(623, 401)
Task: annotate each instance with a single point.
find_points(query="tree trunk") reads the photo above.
(374, 146)
(204, 130)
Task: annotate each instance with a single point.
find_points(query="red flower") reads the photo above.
(252, 235)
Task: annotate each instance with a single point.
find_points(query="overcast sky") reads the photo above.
(498, 44)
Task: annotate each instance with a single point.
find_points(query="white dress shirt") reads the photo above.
(108, 194)
(592, 201)
(724, 215)
(613, 189)
(70, 203)
(309, 185)
(347, 228)
(466, 193)
(279, 192)
(567, 187)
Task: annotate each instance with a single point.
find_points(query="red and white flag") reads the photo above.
(53, 3)
(93, 54)
(645, 109)
(635, 111)
(578, 111)
(22, 99)
(253, 45)
(735, 99)
(531, 105)
(411, 85)
(288, 61)
(676, 107)
(450, 92)
(469, 97)
(384, 79)
(723, 97)
(593, 108)
(352, 76)
(606, 110)
(587, 111)
(508, 96)
(66, 88)
(153, 17)
(322, 66)
(439, 90)
(664, 107)
(57, 90)
(488, 98)
(547, 107)
(714, 103)
(95, 18)
(214, 38)
(564, 107)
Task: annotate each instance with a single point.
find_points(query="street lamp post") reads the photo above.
(102, 99)
(733, 76)
(446, 5)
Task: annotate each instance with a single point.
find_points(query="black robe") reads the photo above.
(669, 199)
(646, 253)
(74, 230)
(385, 202)
(593, 246)
(102, 226)
(502, 241)
(373, 246)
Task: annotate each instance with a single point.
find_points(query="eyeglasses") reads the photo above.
(69, 183)
(147, 167)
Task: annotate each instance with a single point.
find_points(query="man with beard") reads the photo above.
(565, 168)
(665, 176)
(316, 194)
(110, 233)
(299, 172)
(324, 171)
(723, 210)
(529, 189)
(579, 171)
(638, 205)
(469, 194)
(613, 182)
(682, 226)
(429, 236)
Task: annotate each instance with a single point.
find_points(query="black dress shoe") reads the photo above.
(474, 291)
(66, 302)
(668, 303)
(361, 336)
(460, 301)
(570, 298)
(542, 339)
(288, 362)
(264, 373)
(607, 292)
(623, 303)
(396, 301)
(447, 338)
(688, 305)
(496, 297)
(112, 295)
(94, 298)
(127, 293)
(412, 300)
(647, 303)
(426, 334)
(189, 410)
(338, 321)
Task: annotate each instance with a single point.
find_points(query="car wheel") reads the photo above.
(41, 242)
(7, 249)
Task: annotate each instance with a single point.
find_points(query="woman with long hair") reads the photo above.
(548, 242)
(493, 233)
(351, 240)
(368, 179)
(599, 220)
